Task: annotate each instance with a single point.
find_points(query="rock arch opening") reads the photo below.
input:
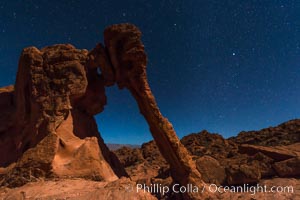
(74, 74)
(121, 121)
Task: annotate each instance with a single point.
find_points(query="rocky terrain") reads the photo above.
(51, 147)
(113, 147)
(249, 158)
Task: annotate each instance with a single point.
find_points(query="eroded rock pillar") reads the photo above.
(129, 61)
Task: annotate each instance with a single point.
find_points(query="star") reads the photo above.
(233, 53)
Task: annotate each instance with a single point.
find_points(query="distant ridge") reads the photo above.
(114, 147)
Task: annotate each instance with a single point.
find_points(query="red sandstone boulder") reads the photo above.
(242, 174)
(288, 168)
(211, 170)
(278, 154)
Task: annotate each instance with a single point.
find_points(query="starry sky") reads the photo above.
(224, 66)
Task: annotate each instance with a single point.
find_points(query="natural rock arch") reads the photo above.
(123, 60)
(58, 90)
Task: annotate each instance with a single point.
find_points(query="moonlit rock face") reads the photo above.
(53, 133)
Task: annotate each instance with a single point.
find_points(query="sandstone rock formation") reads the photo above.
(276, 153)
(288, 168)
(145, 165)
(283, 134)
(59, 85)
(211, 169)
(53, 133)
(223, 161)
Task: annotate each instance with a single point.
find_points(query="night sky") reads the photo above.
(223, 66)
